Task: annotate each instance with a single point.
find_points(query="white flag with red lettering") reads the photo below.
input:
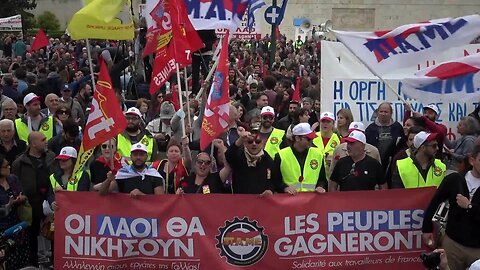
(385, 51)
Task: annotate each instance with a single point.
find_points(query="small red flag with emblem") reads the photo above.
(215, 120)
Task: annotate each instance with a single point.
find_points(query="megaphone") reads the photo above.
(319, 35)
(326, 26)
(306, 25)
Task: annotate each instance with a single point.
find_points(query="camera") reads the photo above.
(431, 260)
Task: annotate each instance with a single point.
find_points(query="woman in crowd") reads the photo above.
(103, 164)
(344, 118)
(203, 181)
(327, 139)
(175, 167)
(62, 179)
(142, 106)
(456, 151)
(155, 103)
(12, 198)
(282, 102)
(61, 115)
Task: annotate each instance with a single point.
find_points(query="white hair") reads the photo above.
(5, 122)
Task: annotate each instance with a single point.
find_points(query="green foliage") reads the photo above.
(48, 21)
(29, 21)
(13, 7)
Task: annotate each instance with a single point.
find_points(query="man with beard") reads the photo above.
(252, 174)
(33, 120)
(421, 169)
(287, 120)
(136, 179)
(33, 169)
(83, 96)
(299, 168)
(134, 133)
(268, 133)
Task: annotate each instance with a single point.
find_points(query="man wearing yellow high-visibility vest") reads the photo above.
(61, 179)
(421, 169)
(273, 137)
(135, 133)
(299, 168)
(326, 139)
(34, 120)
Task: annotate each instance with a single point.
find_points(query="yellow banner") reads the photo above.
(103, 19)
(82, 159)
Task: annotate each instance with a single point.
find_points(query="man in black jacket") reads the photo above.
(462, 239)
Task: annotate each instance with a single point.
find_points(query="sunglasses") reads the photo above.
(256, 141)
(203, 162)
(64, 112)
(160, 97)
(105, 146)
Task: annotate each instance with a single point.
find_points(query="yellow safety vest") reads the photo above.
(272, 146)
(290, 169)
(124, 145)
(412, 178)
(22, 129)
(70, 186)
(331, 145)
(298, 44)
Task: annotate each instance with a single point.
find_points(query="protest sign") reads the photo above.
(346, 83)
(344, 230)
(13, 23)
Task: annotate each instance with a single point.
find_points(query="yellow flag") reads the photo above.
(82, 159)
(103, 19)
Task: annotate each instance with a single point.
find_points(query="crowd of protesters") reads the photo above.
(273, 143)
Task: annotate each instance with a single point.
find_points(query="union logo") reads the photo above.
(45, 126)
(144, 141)
(437, 171)
(334, 144)
(274, 140)
(314, 164)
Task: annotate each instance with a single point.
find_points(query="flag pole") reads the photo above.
(214, 67)
(378, 76)
(180, 100)
(89, 54)
(188, 100)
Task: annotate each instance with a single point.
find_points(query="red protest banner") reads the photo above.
(345, 230)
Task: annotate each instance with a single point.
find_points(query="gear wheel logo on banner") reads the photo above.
(242, 242)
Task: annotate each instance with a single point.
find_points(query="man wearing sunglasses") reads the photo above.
(271, 135)
(421, 169)
(252, 174)
(300, 168)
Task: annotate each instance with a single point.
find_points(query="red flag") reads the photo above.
(40, 41)
(175, 101)
(217, 108)
(163, 67)
(185, 36)
(159, 34)
(296, 93)
(106, 119)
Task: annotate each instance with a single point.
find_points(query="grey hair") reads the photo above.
(472, 125)
(5, 122)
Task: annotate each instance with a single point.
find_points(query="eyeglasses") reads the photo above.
(267, 117)
(256, 141)
(160, 97)
(64, 112)
(132, 118)
(203, 162)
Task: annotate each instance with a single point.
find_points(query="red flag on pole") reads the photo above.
(106, 119)
(217, 108)
(185, 36)
(175, 102)
(296, 93)
(163, 67)
(40, 41)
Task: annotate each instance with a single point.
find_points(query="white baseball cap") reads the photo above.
(66, 153)
(433, 107)
(138, 147)
(475, 265)
(267, 110)
(423, 137)
(30, 98)
(356, 136)
(327, 116)
(359, 126)
(304, 129)
(134, 111)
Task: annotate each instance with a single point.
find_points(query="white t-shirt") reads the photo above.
(472, 183)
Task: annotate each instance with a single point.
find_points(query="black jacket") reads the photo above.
(462, 225)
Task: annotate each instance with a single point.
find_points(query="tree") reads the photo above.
(13, 7)
(48, 21)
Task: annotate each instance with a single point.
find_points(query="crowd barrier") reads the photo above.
(344, 230)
